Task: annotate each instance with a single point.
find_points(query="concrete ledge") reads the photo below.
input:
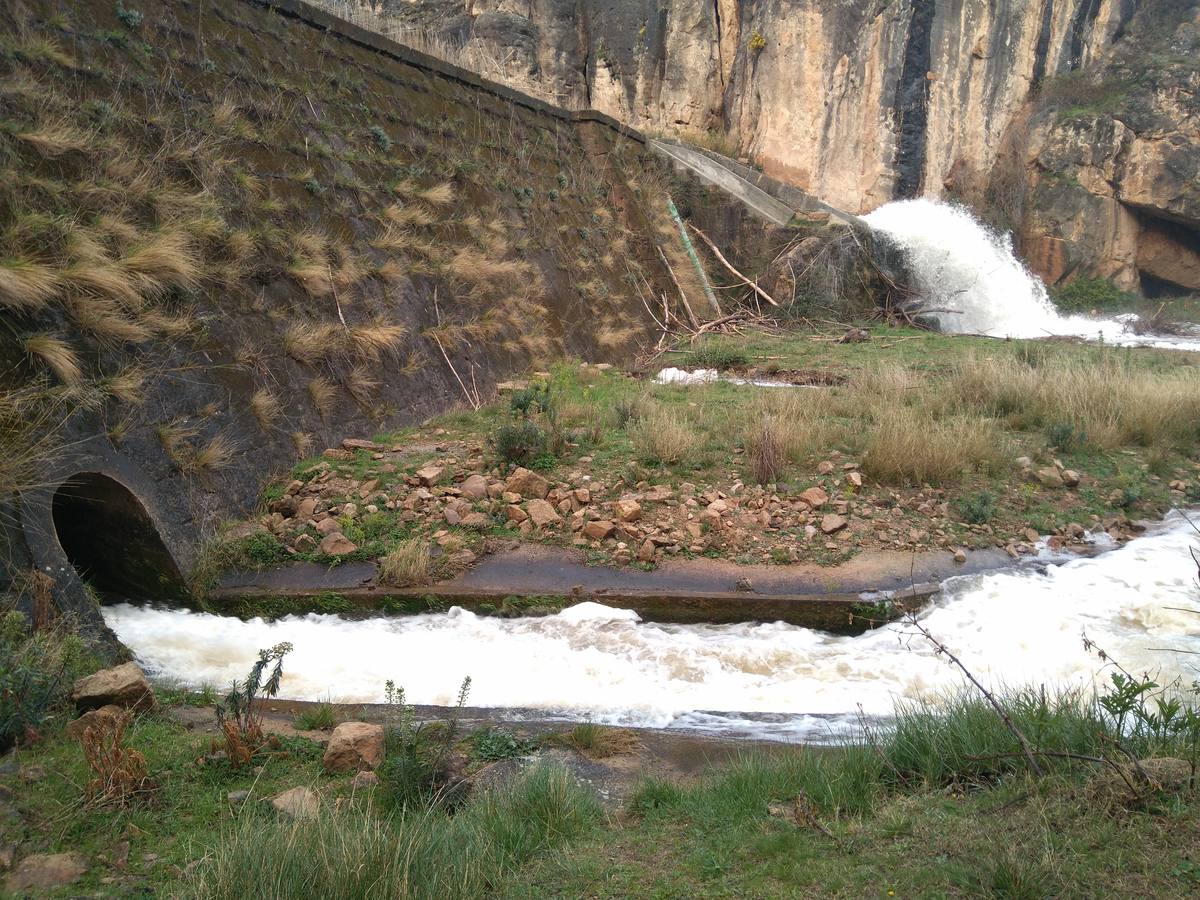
(373, 40)
(843, 599)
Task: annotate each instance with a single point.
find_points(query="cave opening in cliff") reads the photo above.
(108, 536)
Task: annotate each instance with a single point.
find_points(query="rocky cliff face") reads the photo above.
(857, 101)
(1112, 160)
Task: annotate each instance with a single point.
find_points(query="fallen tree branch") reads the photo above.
(728, 265)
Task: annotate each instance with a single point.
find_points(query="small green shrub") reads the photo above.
(1085, 294)
(130, 18)
(382, 141)
(491, 744)
(1065, 436)
(318, 718)
(716, 354)
(37, 669)
(977, 508)
(520, 442)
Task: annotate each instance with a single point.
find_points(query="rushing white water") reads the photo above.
(590, 661)
(972, 282)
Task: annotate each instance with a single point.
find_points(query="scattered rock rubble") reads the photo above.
(644, 522)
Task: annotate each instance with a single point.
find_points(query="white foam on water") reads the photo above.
(672, 375)
(972, 282)
(774, 681)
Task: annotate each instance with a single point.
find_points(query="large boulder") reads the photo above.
(124, 685)
(297, 803)
(44, 872)
(354, 746)
(528, 484)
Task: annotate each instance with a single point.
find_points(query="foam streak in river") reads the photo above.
(973, 283)
(1016, 627)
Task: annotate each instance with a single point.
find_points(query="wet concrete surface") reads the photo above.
(679, 590)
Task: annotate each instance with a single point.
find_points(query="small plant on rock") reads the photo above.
(533, 434)
(416, 765)
(239, 717)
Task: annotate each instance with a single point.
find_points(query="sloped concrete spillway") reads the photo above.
(776, 681)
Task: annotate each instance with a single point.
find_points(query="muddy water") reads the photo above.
(772, 681)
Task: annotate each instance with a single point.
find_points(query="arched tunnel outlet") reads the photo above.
(111, 541)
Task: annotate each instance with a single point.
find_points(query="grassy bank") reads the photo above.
(943, 804)
(918, 441)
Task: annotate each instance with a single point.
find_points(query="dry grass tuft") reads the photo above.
(217, 454)
(908, 446)
(303, 442)
(174, 437)
(408, 215)
(265, 406)
(310, 342)
(107, 321)
(168, 260)
(377, 339)
(127, 386)
(57, 355)
(407, 564)
(27, 286)
(438, 195)
(765, 451)
(613, 337)
(322, 393)
(474, 267)
(165, 324)
(96, 275)
(661, 434)
(361, 384)
(600, 741)
(55, 139)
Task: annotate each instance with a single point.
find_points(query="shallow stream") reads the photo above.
(772, 681)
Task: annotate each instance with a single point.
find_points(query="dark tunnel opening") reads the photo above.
(109, 538)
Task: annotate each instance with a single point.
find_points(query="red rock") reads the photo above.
(815, 497)
(527, 484)
(832, 523)
(542, 513)
(627, 510)
(354, 746)
(598, 529)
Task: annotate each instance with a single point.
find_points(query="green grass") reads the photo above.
(353, 852)
(944, 806)
(322, 717)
